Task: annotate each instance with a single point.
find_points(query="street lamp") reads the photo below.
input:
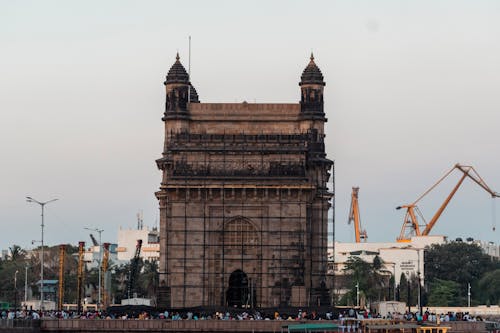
(42, 205)
(99, 261)
(15, 292)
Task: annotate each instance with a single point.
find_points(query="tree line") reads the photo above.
(27, 266)
(450, 269)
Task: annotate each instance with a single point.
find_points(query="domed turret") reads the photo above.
(193, 95)
(179, 92)
(177, 73)
(311, 74)
(311, 85)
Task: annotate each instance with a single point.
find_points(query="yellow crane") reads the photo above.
(411, 226)
(355, 218)
(80, 281)
(62, 252)
(105, 292)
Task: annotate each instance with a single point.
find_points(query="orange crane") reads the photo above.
(411, 225)
(354, 217)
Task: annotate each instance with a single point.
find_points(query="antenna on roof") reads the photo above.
(140, 223)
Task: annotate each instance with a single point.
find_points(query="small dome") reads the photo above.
(311, 74)
(177, 73)
(193, 95)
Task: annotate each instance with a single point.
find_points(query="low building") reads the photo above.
(490, 248)
(124, 250)
(398, 258)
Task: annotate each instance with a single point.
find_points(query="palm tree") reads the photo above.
(149, 277)
(17, 253)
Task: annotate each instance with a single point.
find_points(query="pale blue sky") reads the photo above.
(412, 88)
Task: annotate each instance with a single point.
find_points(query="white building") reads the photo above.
(398, 258)
(490, 248)
(127, 243)
(124, 249)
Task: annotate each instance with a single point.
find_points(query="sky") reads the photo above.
(412, 87)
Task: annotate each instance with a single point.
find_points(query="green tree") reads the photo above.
(489, 287)
(373, 282)
(459, 262)
(148, 278)
(456, 261)
(444, 293)
(17, 253)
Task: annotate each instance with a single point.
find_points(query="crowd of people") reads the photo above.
(297, 315)
(427, 316)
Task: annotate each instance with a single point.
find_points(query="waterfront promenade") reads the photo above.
(188, 326)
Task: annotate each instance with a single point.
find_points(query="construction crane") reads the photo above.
(355, 218)
(94, 241)
(134, 263)
(411, 225)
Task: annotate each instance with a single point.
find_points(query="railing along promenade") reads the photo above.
(206, 326)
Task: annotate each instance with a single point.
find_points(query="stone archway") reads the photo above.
(238, 292)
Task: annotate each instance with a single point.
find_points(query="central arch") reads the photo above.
(238, 293)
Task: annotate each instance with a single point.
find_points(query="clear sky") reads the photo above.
(412, 88)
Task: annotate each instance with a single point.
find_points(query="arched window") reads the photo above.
(240, 232)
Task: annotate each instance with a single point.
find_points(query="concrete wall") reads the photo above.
(207, 326)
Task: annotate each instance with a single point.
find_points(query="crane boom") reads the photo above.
(354, 216)
(134, 263)
(410, 219)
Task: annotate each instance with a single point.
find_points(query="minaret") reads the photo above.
(312, 84)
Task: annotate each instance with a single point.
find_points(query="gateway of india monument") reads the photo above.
(244, 199)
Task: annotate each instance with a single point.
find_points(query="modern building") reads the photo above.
(127, 243)
(397, 257)
(124, 250)
(490, 248)
(243, 199)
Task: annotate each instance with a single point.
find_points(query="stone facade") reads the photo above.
(243, 199)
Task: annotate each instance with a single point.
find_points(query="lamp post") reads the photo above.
(357, 294)
(419, 285)
(15, 293)
(99, 261)
(42, 205)
(408, 291)
(394, 275)
(468, 295)
(25, 284)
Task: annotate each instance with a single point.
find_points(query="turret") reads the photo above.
(312, 84)
(178, 91)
